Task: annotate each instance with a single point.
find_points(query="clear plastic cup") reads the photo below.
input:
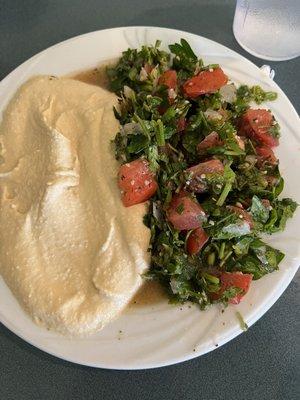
(268, 29)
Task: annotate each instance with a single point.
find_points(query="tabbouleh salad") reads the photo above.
(191, 144)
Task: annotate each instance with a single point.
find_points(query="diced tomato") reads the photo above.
(230, 280)
(181, 124)
(205, 82)
(198, 173)
(207, 167)
(245, 216)
(196, 241)
(266, 138)
(256, 124)
(168, 78)
(137, 182)
(211, 140)
(266, 154)
(185, 213)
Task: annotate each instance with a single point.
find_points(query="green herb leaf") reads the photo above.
(281, 212)
(241, 247)
(259, 211)
(137, 143)
(185, 58)
(261, 260)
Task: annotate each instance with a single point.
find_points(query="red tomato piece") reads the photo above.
(185, 213)
(168, 78)
(207, 167)
(267, 139)
(196, 241)
(197, 183)
(266, 154)
(245, 216)
(256, 124)
(211, 140)
(205, 82)
(137, 182)
(233, 279)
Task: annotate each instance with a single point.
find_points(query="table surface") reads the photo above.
(262, 363)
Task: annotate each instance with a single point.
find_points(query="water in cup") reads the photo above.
(268, 29)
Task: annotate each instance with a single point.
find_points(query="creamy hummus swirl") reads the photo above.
(69, 251)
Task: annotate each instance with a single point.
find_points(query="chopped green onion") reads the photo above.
(160, 136)
(224, 194)
(211, 278)
(226, 258)
(221, 251)
(211, 259)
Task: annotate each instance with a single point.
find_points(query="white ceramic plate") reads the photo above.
(159, 335)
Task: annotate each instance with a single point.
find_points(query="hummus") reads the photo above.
(69, 251)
